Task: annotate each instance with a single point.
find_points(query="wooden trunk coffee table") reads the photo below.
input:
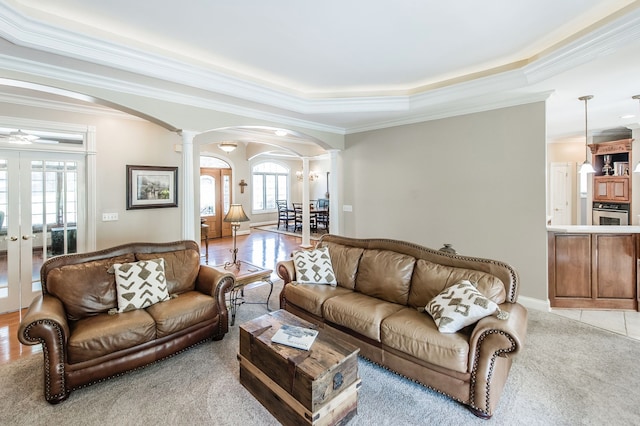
(315, 387)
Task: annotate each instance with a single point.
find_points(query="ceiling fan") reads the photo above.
(20, 137)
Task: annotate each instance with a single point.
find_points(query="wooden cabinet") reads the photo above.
(593, 271)
(612, 181)
(611, 188)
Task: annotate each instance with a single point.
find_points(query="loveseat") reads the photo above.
(383, 287)
(87, 318)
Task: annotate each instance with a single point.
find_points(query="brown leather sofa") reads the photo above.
(383, 286)
(83, 343)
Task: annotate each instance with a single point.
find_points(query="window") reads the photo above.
(270, 183)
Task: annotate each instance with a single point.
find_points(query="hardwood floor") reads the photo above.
(262, 248)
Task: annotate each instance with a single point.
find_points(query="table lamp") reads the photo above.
(235, 215)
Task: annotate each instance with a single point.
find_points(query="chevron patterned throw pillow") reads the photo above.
(314, 267)
(461, 305)
(140, 284)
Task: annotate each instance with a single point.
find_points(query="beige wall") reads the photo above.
(475, 181)
(121, 141)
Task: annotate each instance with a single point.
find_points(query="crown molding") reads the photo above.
(486, 103)
(34, 34)
(599, 42)
(91, 109)
(74, 76)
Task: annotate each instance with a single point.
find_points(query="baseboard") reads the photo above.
(267, 223)
(532, 303)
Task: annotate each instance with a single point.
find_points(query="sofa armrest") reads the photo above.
(46, 322)
(44, 309)
(512, 332)
(212, 281)
(216, 283)
(491, 345)
(286, 270)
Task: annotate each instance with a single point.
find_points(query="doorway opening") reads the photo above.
(215, 197)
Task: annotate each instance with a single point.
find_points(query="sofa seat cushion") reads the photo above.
(182, 312)
(358, 312)
(311, 297)
(415, 333)
(102, 334)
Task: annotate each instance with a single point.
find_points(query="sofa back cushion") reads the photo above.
(345, 261)
(181, 268)
(86, 289)
(386, 275)
(429, 279)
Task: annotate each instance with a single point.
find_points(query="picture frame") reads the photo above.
(151, 187)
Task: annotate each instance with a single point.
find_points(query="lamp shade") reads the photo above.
(587, 168)
(236, 214)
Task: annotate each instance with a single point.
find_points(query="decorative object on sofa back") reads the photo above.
(83, 343)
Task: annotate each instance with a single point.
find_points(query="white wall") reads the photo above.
(475, 181)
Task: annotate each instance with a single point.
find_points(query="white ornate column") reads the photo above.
(189, 231)
(306, 232)
(334, 200)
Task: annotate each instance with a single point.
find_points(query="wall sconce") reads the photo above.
(312, 175)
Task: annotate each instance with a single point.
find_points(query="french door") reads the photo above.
(42, 209)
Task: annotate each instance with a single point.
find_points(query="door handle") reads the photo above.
(12, 238)
(26, 237)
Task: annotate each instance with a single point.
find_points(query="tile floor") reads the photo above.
(626, 323)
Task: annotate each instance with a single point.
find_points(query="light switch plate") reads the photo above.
(109, 217)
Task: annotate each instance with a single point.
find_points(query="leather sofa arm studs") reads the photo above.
(463, 350)
(89, 301)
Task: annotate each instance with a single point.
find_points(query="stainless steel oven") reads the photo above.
(610, 214)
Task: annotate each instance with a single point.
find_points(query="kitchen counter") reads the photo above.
(594, 229)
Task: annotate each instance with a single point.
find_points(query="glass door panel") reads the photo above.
(42, 202)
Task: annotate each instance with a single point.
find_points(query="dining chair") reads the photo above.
(322, 215)
(297, 207)
(285, 214)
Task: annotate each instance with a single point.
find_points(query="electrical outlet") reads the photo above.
(108, 217)
(347, 208)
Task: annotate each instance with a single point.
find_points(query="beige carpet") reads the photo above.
(568, 374)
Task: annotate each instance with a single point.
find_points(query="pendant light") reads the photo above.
(586, 166)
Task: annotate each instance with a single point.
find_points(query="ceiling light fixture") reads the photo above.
(227, 146)
(281, 132)
(586, 166)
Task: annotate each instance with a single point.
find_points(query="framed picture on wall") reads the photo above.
(150, 187)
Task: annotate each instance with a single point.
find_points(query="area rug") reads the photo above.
(274, 228)
(568, 374)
